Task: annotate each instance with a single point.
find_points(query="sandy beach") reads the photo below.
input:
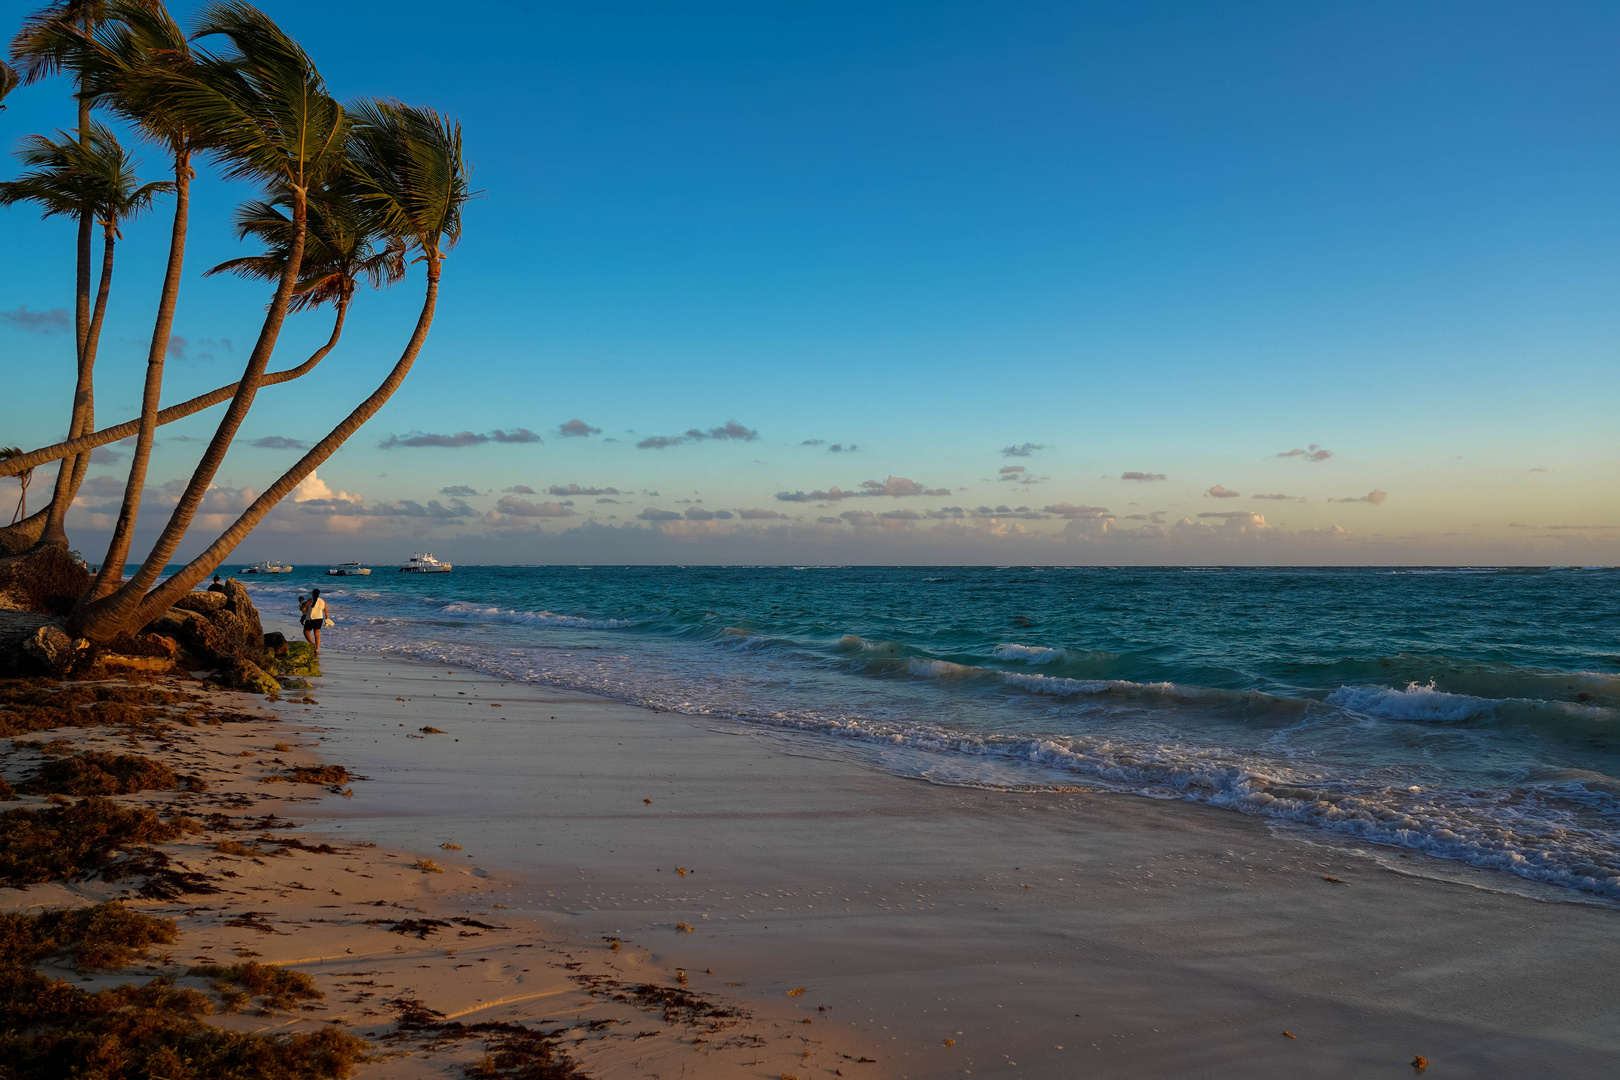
(828, 919)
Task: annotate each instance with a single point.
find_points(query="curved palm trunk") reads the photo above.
(108, 611)
(18, 538)
(112, 567)
(71, 474)
(82, 445)
(163, 597)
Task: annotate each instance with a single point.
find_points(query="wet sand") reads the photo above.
(955, 931)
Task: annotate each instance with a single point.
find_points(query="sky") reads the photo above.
(1064, 283)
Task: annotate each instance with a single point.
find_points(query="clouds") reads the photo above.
(654, 514)
(760, 515)
(840, 448)
(105, 455)
(1065, 510)
(459, 439)
(730, 431)
(521, 489)
(1141, 477)
(523, 508)
(461, 490)
(53, 321)
(814, 442)
(1022, 449)
(577, 429)
(1374, 496)
(279, 442)
(1219, 492)
(1313, 453)
(1278, 498)
(574, 489)
(697, 513)
(893, 487)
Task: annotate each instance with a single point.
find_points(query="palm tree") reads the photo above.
(50, 41)
(8, 81)
(269, 118)
(22, 478)
(70, 176)
(342, 249)
(408, 170)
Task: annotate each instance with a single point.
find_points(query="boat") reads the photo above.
(348, 569)
(269, 566)
(424, 563)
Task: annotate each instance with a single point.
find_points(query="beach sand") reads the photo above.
(850, 914)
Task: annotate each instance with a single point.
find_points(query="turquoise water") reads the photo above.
(1467, 713)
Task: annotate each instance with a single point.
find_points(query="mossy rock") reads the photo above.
(300, 660)
(246, 675)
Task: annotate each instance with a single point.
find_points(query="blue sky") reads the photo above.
(1159, 238)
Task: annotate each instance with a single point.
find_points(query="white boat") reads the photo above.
(424, 563)
(348, 569)
(269, 566)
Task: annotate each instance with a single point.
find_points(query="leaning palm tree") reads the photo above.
(51, 41)
(22, 478)
(271, 120)
(342, 250)
(70, 176)
(408, 169)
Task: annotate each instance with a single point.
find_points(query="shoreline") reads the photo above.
(916, 913)
(1044, 934)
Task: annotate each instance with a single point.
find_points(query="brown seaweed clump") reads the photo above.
(59, 842)
(277, 987)
(106, 936)
(95, 773)
(312, 774)
(512, 1051)
(55, 1029)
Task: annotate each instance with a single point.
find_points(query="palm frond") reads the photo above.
(408, 167)
(70, 177)
(8, 81)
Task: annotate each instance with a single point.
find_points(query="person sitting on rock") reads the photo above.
(216, 586)
(314, 619)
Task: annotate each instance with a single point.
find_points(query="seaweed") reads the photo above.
(154, 1030)
(512, 1051)
(311, 774)
(277, 987)
(59, 842)
(95, 773)
(107, 936)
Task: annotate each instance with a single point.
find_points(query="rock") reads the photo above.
(237, 600)
(15, 628)
(200, 637)
(246, 675)
(50, 648)
(275, 643)
(205, 603)
(235, 631)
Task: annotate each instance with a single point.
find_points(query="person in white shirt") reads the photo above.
(314, 619)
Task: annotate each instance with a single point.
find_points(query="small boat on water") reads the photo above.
(269, 566)
(348, 569)
(424, 563)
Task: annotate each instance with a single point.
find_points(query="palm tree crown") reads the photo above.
(343, 245)
(71, 177)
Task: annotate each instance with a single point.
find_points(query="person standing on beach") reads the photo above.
(314, 619)
(216, 586)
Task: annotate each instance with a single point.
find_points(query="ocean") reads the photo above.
(1469, 714)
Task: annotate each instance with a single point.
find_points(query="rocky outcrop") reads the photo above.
(238, 602)
(246, 675)
(51, 648)
(221, 629)
(204, 603)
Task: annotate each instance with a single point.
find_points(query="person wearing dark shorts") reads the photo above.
(314, 619)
